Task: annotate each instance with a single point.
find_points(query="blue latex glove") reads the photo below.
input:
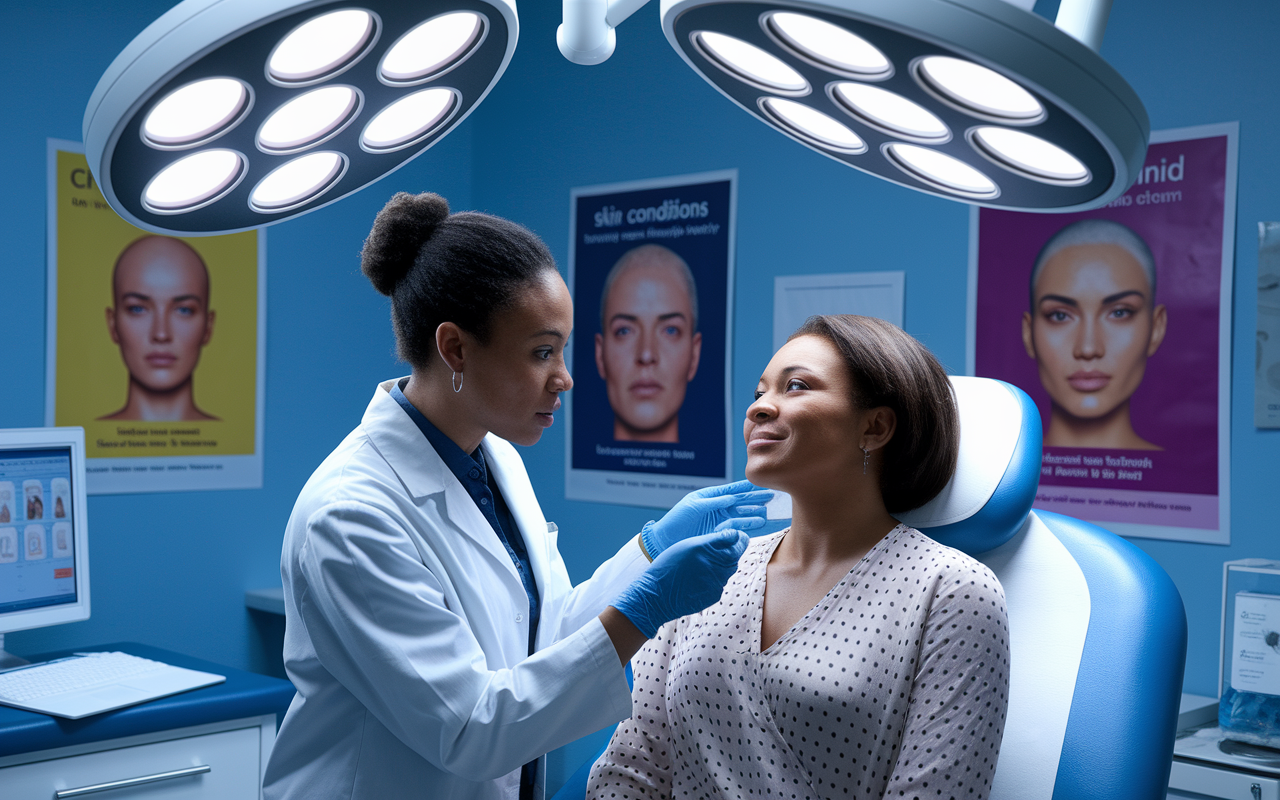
(741, 504)
(689, 576)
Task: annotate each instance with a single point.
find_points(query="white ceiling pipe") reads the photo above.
(586, 35)
(619, 10)
(1086, 20)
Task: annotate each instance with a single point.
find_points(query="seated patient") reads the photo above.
(850, 655)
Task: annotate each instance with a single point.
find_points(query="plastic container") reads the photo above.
(1249, 666)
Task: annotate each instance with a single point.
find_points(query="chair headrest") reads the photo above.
(997, 474)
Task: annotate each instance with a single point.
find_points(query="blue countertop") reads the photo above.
(244, 694)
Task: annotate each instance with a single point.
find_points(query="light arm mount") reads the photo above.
(1086, 20)
(586, 36)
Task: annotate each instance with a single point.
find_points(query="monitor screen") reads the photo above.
(37, 540)
(43, 546)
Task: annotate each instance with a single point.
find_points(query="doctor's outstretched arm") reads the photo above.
(419, 669)
(739, 505)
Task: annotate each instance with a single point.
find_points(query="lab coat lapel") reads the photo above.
(424, 473)
(508, 471)
(462, 511)
(406, 450)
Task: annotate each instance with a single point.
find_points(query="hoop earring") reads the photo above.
(866, 458)
(455, 383)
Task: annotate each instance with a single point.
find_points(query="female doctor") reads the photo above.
(435, 641)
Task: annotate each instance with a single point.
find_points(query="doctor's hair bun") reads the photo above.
(439, 267)
(399, 231)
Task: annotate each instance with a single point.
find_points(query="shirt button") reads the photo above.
(474, 473)
(484, 501)
(519, 617)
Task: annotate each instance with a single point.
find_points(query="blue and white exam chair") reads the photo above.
(1097, 630)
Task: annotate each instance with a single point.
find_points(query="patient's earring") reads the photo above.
(866, 458)
(455, 383)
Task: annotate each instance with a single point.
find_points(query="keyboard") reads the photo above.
(91, 683)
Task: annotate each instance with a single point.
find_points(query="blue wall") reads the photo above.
(171, 569)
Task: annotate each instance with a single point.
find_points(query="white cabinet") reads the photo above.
(220, 761)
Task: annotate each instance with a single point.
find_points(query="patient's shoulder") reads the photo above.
(761, 548)
(946, 566)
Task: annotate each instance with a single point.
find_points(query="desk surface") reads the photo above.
(244, 694)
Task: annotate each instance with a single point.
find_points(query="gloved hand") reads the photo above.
(689, 576)
(706, 510)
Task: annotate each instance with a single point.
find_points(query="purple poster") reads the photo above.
(651, 271)
(1117, 323)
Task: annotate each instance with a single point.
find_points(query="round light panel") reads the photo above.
(809, 124)
(194, 181)
(308, 119)
(195, 113)
(890, 112)
(291, 106)
(297, 181)
(750, 64)
(432, 48)
(829, 46)
(973, 100)
(323, 46)
(408, 120)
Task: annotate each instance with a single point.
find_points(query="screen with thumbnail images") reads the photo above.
(37, 558)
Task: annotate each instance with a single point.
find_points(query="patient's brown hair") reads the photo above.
(891, 368)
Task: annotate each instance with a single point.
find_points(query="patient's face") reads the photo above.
(1092, 328)
(800, 428)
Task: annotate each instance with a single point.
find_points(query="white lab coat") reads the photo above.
(407, 628)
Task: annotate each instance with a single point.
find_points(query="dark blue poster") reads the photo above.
(651, 270)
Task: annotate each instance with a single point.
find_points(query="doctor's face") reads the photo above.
(520, 373)
(161, 317)
(1092, 328)
(648, 351)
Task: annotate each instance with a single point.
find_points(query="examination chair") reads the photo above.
(1097, 630)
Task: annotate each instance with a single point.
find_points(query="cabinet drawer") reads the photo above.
(1226, 784)
(232, 758)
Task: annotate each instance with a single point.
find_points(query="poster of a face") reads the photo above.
(650, 268)
(155, 344)
(1117, 323)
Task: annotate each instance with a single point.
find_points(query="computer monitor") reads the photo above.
(44, 553)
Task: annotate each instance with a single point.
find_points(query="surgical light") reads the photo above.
(193, 181)
(750, 64)
(828, 45)
(940, 169)
(1031, 155)
(980, 101)
(308, 118)
(889, 112)
(978, 90)
(408, 120)
(813, 126)
(226, 115)
(432, 47)
(195, 113)
(297, 181)
(321, 46)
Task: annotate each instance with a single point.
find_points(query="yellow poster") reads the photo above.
(155, 343)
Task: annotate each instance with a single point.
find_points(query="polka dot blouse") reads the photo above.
(893, 686)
